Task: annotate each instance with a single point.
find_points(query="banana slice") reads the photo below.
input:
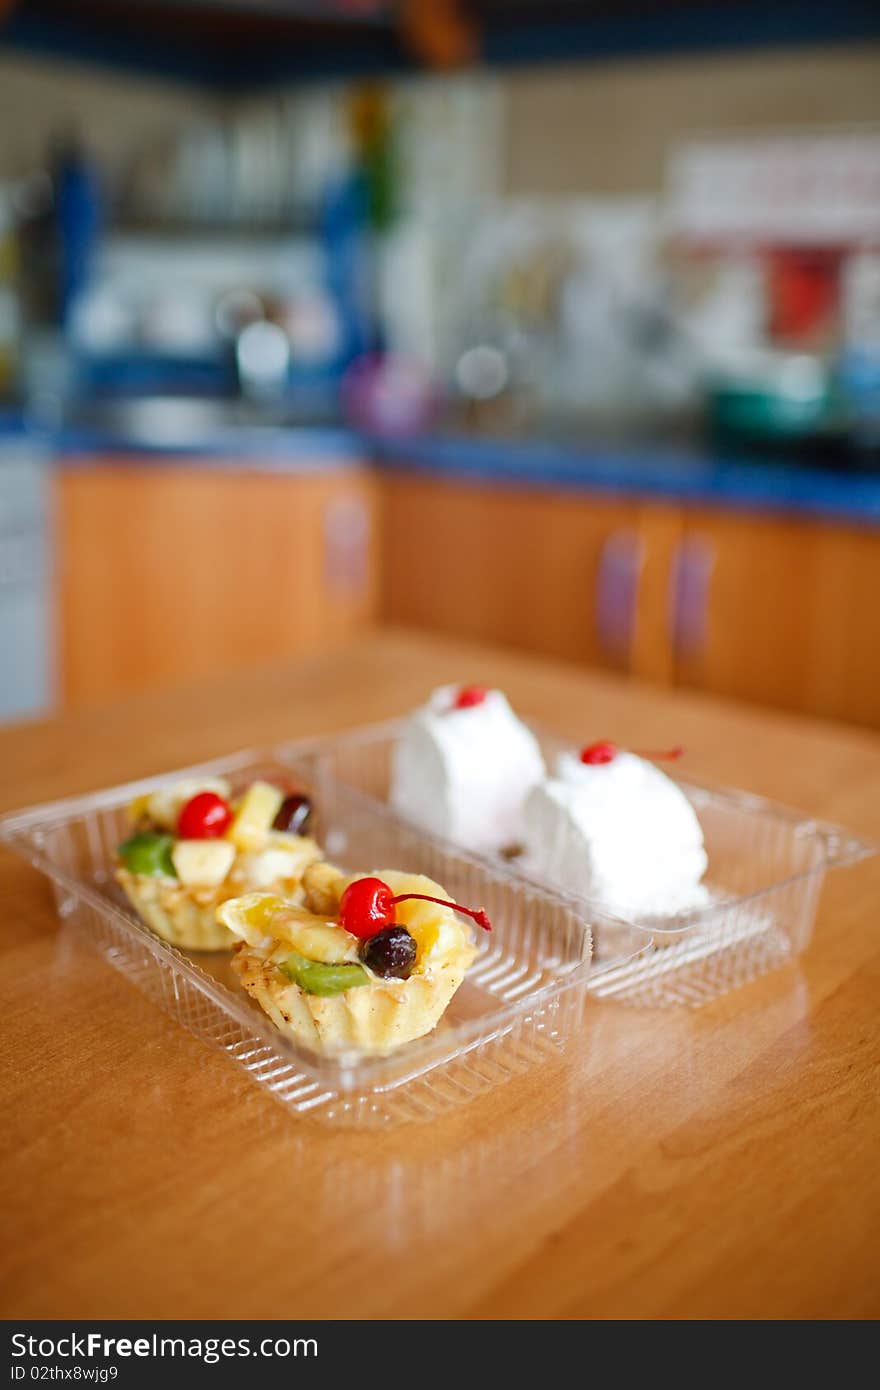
(323, 886)
(264, 919)
(281, 859)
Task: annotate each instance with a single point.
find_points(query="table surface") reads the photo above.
(717, 1162)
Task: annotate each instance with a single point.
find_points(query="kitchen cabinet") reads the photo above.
(546, 572)
(173, 571)
(782, 611)
(779, 610)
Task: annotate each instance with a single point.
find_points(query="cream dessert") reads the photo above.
(610, 826)
(464, 767)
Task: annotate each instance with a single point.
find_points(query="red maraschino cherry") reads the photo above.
(367, 907)
(601, 752)
(204, 817)
(605, 752)
(470, 695)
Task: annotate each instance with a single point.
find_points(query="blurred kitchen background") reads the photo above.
(551, 324)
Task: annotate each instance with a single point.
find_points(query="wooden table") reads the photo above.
(719, 1162)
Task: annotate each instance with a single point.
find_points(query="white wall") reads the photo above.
(604, 128)
(115, 112)
(608, 128)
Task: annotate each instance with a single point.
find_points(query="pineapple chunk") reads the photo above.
(254, 913)
(202, 863)
(251, 916)
(139, 808)
(259, 917)
(258, 808)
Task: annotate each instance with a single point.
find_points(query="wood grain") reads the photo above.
(170, 573)
(710, 1163)
(661, 530)
(793, 614)
(511, 565)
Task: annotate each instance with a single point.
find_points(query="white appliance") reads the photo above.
(26, 636)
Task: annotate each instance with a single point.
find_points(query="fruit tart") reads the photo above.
(193, 847)
(368, 962)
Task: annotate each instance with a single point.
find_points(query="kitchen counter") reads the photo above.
(689, 475)
(711, 1163)
(264, 448)
(685, 475)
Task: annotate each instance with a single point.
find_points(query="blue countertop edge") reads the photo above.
(275, 447)
(652, 471)
(656, 472)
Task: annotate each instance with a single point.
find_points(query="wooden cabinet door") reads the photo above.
(845, 676)
(555, 573)
(172, 573)
(781, 611)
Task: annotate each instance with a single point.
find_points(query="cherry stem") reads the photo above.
(668, 756)
(478, 913)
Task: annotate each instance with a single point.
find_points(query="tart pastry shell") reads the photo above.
(183, 916)
(377, 1017)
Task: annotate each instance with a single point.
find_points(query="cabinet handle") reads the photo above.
(689, 584)
(347, 546)
(617, 587)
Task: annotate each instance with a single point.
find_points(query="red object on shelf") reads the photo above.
(803, 287)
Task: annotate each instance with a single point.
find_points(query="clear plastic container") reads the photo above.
(766, 868)
(522, 997)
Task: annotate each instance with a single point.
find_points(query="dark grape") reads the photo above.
(294, 814)
(391, 953)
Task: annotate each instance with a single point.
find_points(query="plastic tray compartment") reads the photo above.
(521, 999)
(766, 868)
